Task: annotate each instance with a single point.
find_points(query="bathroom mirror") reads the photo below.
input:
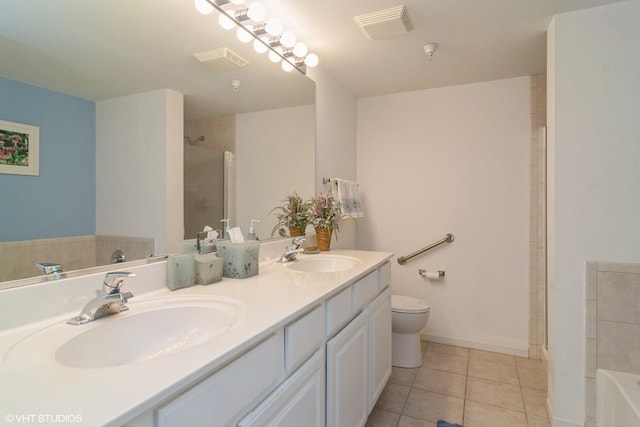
(118, 48)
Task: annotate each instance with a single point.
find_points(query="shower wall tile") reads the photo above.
(618, 346)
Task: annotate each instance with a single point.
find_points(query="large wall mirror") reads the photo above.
(62, 58)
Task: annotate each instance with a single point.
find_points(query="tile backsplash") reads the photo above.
(18, 259)
(612, 323)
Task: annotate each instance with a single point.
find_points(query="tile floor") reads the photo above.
(465, 386)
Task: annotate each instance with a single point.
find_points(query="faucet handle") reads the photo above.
(113, 281)
(297, 241)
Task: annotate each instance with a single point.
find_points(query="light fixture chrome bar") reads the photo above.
(298, 66)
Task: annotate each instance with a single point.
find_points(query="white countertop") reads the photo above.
(114, 395)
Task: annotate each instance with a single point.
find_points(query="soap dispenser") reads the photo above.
(252, 231)
(226, 228)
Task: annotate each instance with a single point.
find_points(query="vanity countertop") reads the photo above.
(42, 387)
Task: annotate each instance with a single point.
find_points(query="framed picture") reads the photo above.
(19, 146)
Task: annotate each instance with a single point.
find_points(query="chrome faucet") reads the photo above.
(292, 250)
(50, 269)
(109, 300)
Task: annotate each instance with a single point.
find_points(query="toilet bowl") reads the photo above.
(408, 317)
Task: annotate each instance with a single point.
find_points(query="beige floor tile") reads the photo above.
(403, 376)
(535, 421)
(441, 382)
(494, 393)
(489, 356)
(393, 397)
(535, 401)
(414, 422)
(493, 371)
(481, 415)
(523, 362)
(445, 362)
(448, 349)
(429, 406)
(381, 418)
(423, 346)
(533, 378)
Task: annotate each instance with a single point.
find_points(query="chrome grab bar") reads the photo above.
(402, 260)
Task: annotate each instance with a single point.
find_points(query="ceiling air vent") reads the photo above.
(221, 58)
(386, 23)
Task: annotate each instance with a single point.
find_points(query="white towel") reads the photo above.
(346, 193)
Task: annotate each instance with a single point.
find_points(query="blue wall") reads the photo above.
(61, 201)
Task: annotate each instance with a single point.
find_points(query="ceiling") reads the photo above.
(107, 48)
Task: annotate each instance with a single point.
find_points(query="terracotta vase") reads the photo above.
(296, 231)
(323, 238)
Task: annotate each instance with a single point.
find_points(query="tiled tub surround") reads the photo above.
(471, 387)
(612, 324)
(272, 299)
(18, 259)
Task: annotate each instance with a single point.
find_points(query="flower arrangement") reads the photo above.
(293, 214)
(325, 213)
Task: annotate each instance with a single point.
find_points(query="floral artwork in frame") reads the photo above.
(19, 146)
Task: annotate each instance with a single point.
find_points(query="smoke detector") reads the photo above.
(386, 23)
(221, 59)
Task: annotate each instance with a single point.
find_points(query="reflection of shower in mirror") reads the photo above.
(195, 141)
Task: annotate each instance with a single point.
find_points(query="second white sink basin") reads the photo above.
(323, 263)
(149, 329)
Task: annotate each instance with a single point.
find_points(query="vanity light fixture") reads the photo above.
(267, 34)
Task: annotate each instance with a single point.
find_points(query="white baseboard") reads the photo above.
(522, 351)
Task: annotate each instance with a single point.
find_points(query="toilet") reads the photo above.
(408, 317)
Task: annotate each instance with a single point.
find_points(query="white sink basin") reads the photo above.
(323, 263)
(150, 329)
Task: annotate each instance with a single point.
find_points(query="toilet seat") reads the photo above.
(404, 304)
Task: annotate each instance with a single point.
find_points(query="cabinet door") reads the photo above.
(347, 370)
(379, 345)
(299, 401)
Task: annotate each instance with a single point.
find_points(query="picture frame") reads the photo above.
(19, 148)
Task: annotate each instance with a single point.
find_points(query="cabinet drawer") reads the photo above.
(299, 401)
(364, 290)
(223, 397)
(302, 337)
(384, 278)
(338, 312)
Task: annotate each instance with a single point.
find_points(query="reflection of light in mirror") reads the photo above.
(273, 26)
(311, 60)
(203, 7)
(226, 22)
(243, 35)
(300, 50)
(288, 39)
(237, 2)
(286, 66)
(259, 47)
(273, 56)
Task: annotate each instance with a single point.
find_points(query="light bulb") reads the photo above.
(259, 47)
(288, 39)
(311, 60)
(274, 57)
(238, 2)
(203, 6)
(225, 22)
(256, 12)
(286, 66)
(300, 50)
(243, 35)
(273, 26)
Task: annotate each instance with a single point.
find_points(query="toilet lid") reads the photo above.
(403, 304)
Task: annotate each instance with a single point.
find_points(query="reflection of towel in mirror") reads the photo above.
(346, 193)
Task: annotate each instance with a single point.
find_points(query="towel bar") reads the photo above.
(402, 260)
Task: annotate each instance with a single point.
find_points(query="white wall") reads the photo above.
(272, 146)
(593, 72)
(335, 143)
(453, 160)
(139, 172)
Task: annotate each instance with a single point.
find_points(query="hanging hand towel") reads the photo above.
(346, 192)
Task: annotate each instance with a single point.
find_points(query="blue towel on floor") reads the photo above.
(442, 423)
